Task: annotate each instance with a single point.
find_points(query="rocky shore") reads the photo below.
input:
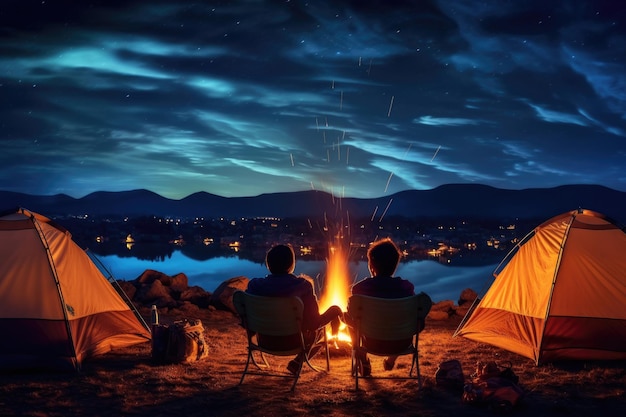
(170, 293)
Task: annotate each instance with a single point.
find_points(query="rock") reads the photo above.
(155, 293)
(188, 308)
(129, 289)
(445, 305)
(462, 310)
(468, 296)
(442, 310)
(222, 298)
(149, 276)
(154, 287)
(438, 315)
(179, 282)
(196, 295)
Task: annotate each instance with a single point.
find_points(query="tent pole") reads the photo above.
(495, 274)
(556, 273)
(52, 266)
(117, 287)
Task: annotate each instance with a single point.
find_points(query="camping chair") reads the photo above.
(387, 319)
(275, 316)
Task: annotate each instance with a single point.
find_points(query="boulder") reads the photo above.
(222, 297)
(128, 288)
(442, 310)
(445, 305)
(188, 308)
(462, 310)
(468, 296)
(179, 282)
(438, 315)
(149, 276)
(164, 291)
(196, 295)
(155, 293)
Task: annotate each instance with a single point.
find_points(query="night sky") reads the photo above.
(358, 98)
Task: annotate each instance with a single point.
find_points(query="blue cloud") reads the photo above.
(360, 99)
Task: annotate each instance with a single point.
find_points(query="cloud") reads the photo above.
(445, 121)
(178, 97)
(604, 74)
(553, 116)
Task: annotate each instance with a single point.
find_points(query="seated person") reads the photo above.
(281, 282)
(383, 258)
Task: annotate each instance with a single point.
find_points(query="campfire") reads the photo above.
(336, 288)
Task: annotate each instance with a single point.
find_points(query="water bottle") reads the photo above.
(154, 316)
(157, 335)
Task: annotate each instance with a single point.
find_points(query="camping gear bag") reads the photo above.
(492, 369)
(183, 341)
(493, 385)
(449, 374)
(496, 393)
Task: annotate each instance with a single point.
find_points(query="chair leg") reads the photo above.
(321, 339)
(297, 376)
(313, 367)
(413, 362)
(327, 352)
(245, 369)
(419, 375)
(254, 361)
(321, 343)
(354, 365)
(265, 364)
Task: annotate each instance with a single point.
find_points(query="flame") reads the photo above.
(336, 288)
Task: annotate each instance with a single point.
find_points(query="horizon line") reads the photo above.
(313, 190)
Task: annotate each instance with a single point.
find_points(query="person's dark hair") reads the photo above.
(281, 259)
(383, 257)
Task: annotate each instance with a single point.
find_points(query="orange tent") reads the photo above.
(56, 307)
(559, 294)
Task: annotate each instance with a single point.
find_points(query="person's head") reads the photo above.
(383, 257)
(281, 259)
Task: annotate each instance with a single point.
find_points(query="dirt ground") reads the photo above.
(127, 383)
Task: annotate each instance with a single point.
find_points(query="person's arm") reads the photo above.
(311, 312)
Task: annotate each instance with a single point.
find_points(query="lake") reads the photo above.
(440, 281)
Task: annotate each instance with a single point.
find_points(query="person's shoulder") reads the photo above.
(407, 284)
(359, 284)
(255, 282)
(362, 286)
(257, 279)
(305, 284)
(305, 278)
(293, 281)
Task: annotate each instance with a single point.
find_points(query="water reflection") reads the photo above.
(208, 266)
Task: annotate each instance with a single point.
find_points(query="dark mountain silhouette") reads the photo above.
(454, 200)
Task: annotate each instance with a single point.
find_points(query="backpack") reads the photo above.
(495, 386)
(449, 374)
(497, 393)
(183, 341)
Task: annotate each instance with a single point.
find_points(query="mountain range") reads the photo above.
(453, 200)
